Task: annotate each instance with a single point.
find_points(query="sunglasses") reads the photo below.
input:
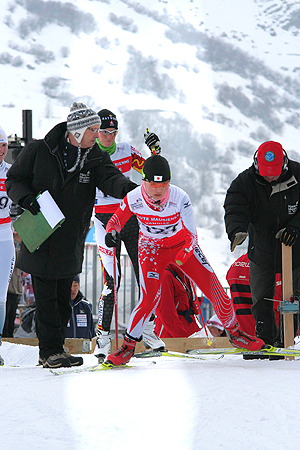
(156, 184)
(107, 132)
(94, 130)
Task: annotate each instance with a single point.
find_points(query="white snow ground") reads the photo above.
(177, 404)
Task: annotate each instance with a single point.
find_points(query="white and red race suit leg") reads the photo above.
(154, 256)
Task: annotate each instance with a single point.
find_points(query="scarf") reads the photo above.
(156, 205)
(110, 150)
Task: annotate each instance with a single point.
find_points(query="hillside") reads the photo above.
(213, 78)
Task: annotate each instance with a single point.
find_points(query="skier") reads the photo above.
(263, 201)
(7, 248)
(167, 234)
(125, 157)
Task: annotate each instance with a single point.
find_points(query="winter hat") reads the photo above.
(269, 159)
(156, 168)
(108, 119)
(3, 137)
(80, 118)
(76, 279)
(215, 322)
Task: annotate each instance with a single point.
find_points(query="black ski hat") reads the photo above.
(108, 119)
(156, 168)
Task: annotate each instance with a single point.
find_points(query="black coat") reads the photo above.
(81, 324)
(40, 167)
(261, 208)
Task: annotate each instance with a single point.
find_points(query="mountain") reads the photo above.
(213, 78)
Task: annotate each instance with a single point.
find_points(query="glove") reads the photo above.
(288, 235)
(182, 256)
(239, 238)
(153, 142)
(30, 203)
(111, 239)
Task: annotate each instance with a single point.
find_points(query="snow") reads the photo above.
(160, 403)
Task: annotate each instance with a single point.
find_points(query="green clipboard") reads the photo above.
(34, 229)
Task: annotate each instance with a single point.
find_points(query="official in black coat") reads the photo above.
(70, 166)
(263, 203)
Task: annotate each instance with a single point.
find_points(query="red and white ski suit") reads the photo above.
(163, 236)
(7, 248)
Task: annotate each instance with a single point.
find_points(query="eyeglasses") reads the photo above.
(107, 132)
(156, 184)
(94, 130)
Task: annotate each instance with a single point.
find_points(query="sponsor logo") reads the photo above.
(154, 275)
(292, 209)
(201, 258)
(2, 185)
(269, 156)
(187, 204)
(137, 204)
(122, 162)
(242, 264)
(85, 177)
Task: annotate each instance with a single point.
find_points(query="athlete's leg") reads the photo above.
(153, 258)
(7, 255)
(200, 271)
(106, 254)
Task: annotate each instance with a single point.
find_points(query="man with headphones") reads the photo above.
(263, 203)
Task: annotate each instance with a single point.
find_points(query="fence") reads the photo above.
(92, 281)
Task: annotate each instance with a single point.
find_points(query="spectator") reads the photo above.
(125, 157)
(263, 202)
(81, 324)
(70, 165)
(213, 328)
(7, 248)
(167, 234)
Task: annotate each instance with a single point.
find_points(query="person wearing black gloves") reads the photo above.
(263, 203)
(70, 165)
(127, 159)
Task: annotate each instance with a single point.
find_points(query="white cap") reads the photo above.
(215, 322)
(3, 137)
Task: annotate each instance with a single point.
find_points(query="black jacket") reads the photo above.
(40, 167)
(81, 324)
(261, 208)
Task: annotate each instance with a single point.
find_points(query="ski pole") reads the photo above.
(115, 291)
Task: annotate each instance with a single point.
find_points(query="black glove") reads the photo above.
(289, 235)
(239, 238)
(153, 142)
(30, 203)
(111, 239)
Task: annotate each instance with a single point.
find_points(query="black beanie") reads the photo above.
(108, 119)
(156, 168)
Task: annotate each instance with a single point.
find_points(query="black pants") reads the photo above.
(262, 285)
(12, 301)
(53, 311)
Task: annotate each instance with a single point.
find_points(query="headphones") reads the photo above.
(285, 161)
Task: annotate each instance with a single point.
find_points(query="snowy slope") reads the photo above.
(175, 404)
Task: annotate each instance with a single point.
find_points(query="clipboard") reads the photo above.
(35, 229)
